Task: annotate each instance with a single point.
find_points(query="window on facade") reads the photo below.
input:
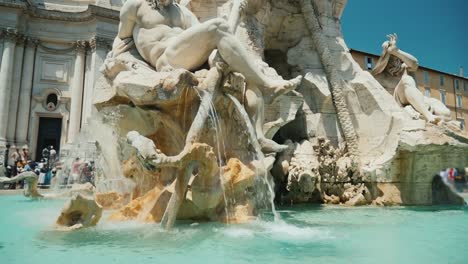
(442, 96)
(427, 92)
(459, 101)
(52, 98)
(465, 86)
(441, 80)
(51, 102)
(457, 85)
(369, 63)
(426, 77)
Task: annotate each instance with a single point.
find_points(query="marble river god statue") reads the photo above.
(219, 108)
(394, 69)
(169, 36)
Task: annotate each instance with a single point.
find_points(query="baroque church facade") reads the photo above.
(51, 53)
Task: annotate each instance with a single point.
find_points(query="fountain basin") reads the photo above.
(312, 234)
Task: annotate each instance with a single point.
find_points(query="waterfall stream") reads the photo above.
(259, 154)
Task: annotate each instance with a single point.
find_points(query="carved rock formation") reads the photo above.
(30, 178)
(112, 200)
(79, 212)
(190, 151)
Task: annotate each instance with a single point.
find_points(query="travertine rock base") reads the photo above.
(79, 212)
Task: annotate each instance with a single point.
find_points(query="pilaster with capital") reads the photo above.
(6, 71)
(89, 81)
(77, 91)
(102, 46)
(24, 104)
(15, 88)
(99, 47)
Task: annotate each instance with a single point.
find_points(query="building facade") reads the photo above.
(450, 89)
(50, 58)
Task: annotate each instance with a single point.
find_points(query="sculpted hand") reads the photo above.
(391, 44)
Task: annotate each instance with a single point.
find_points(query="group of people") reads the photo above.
(19, 161)
(81, 172)
(455, 177)
(46, 168)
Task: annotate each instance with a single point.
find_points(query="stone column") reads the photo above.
(15, 89)
(77, 92)
(25, 91)
(99, 48)
(89, 82)
(103, 46)
(6, 71)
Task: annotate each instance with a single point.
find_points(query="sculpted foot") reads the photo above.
(269, 146)
(283, 86)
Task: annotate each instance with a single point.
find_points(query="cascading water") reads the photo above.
(95, 148)
(259, 154)
(83, 151)
(219, 140)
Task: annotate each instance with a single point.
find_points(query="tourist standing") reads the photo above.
(13, 157)
(24, 154)
(76, 171)
(45, 154)
(52, 156)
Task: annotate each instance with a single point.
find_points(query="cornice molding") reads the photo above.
(89, 14)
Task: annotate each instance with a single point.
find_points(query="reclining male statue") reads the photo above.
(168, 36)
(393, 71)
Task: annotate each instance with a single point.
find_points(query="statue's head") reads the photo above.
(166, 2)
(157, 4)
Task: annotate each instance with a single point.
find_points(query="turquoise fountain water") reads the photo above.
(320, 234)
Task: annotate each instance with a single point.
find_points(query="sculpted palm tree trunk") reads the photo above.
(334, 80)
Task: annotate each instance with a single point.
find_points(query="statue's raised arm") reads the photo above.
(392, 71)
(405, 60)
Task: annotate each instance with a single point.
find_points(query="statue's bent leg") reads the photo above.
(255, 107)
(191, 49)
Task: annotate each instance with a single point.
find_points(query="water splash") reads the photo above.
(96, 144)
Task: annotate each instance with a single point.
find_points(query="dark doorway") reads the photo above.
(50, 130)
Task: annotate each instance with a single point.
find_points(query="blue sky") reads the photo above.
(434, 31)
